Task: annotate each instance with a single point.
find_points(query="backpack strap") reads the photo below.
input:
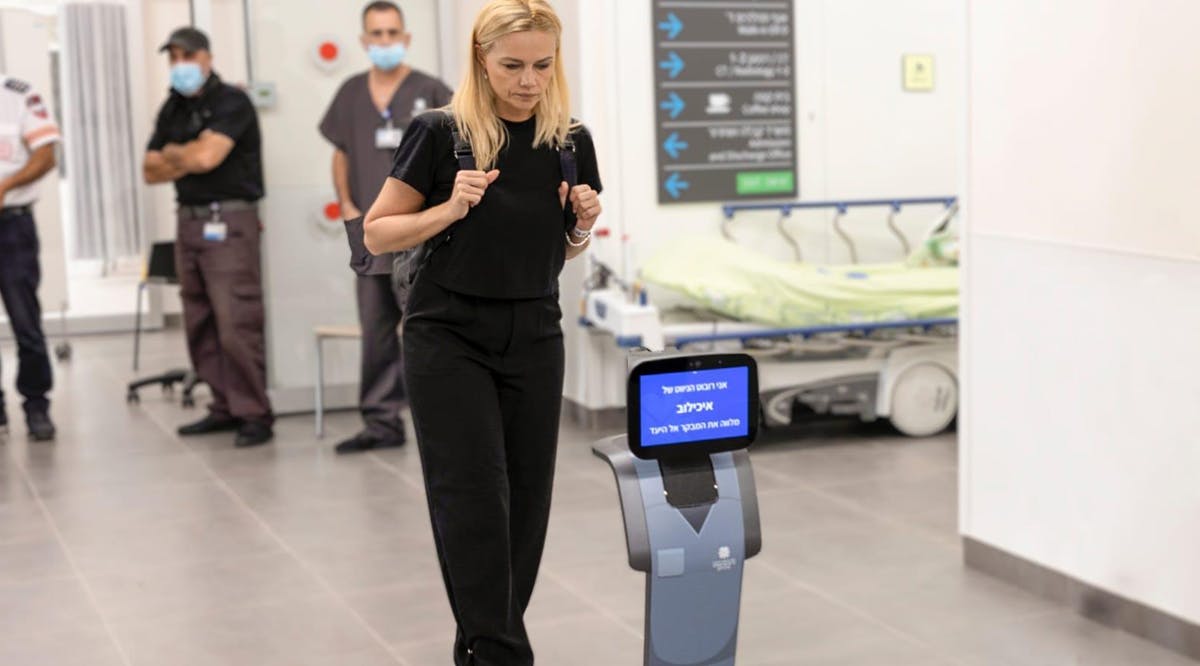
(569, 162)
(463, 153)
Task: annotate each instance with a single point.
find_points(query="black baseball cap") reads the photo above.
(188, 39)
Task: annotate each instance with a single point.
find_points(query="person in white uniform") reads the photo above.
(27, 138)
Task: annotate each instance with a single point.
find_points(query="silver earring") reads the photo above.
(485, 75)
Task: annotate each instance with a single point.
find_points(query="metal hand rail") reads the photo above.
(842, 206)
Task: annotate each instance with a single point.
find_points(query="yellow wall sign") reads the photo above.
(918, 73)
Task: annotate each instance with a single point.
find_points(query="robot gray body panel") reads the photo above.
(694, 575)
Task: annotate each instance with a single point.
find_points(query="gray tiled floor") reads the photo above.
(123, 545)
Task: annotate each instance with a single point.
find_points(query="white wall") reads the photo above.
(1079, 361)
(880, 141)
(1116, 124)
(859, 135)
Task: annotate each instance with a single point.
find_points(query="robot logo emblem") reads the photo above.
(725, 561)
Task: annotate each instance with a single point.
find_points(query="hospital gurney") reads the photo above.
(875, 341)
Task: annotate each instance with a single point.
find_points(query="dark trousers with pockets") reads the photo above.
(381, 389)
(485, 385)
(221, 286)
(20, 275)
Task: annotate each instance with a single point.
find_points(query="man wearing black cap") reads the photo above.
(206, 140)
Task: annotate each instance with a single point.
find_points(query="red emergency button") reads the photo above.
(333, 211)
(325, 51)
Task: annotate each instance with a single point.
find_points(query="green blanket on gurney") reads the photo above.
(739, 283)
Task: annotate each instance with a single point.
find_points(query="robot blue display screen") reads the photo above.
(695, 406)
(686, 406)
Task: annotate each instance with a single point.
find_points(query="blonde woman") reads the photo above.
(482, 335)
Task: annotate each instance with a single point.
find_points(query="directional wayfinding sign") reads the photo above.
(725, 98)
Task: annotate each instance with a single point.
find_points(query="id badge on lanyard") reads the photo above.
(215, 230)
(388, 137)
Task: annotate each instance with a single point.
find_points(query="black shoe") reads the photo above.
(3, 420)
(365, 441)
(41, 428)
(253, 433)
(210, 423)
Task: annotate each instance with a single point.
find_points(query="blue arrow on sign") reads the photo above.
(673, 64)
(674, 104)
(675, 185)
(673, 145)
(673, 26)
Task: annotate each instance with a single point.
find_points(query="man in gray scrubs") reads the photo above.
(365, 123)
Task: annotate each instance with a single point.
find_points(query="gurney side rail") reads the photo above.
(810, 331)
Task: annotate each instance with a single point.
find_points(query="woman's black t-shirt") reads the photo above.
(511, 244)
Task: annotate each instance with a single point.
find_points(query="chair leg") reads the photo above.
(320, 391)
(137, 327)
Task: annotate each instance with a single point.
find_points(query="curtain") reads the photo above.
(102, 168)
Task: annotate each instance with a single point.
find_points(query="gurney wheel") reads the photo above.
(63, 351)
(132, 398)
(924, 400)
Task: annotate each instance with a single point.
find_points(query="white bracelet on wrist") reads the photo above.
(584, 239)
(576, 232)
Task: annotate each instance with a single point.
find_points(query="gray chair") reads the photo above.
(160, 270)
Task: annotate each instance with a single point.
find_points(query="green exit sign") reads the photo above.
(766, 182)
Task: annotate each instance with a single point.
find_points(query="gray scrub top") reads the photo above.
(350, 125)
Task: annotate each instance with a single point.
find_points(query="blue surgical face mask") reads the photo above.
(187, 78)
(387, 57)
